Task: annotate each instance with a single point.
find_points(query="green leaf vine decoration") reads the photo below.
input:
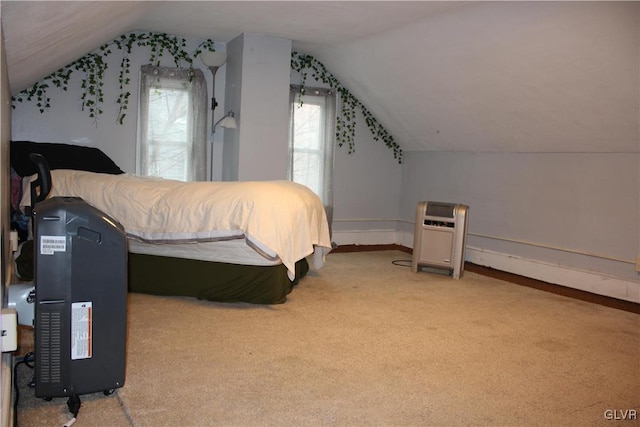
(308, 66)
(93, 65)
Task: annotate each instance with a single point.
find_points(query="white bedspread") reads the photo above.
(280, 218)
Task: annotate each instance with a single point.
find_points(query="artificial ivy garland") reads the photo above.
(93, 66)
(346, 121)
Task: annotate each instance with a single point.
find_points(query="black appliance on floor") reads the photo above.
(80, 317)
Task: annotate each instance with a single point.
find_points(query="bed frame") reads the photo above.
(213, 281)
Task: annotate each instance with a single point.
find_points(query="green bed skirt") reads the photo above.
(213, 281)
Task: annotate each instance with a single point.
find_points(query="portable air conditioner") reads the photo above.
(439, 237)
(80, 326)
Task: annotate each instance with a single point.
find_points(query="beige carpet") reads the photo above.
(369, 343)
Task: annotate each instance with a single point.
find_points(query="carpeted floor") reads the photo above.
(366, 342)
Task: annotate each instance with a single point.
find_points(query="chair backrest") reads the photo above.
(41, 187)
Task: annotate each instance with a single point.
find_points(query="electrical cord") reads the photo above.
(27, 360)
(74, 407)
(401, 262)
(73, 403)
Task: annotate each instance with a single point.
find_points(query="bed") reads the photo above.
(220, 241)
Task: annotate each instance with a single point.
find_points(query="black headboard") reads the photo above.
(60, 156)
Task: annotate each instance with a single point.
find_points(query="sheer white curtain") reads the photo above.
(172, 140)
(312, 140)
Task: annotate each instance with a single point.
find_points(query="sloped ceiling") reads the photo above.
(42, 36)
(453, 76)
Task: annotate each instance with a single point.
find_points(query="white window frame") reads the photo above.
(195, 128)
(326, 100)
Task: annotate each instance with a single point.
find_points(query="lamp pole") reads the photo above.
(213, 60)
(214, 104)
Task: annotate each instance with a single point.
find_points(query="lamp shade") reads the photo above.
(213, 59)
(228, 121)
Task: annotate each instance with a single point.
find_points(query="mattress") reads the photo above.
(283, 222)
(236, 251)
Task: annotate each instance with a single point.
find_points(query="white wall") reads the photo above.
(529, 112)
(502, 76)
(258, 89)
(367, 191)
(576, 202)
(555, 194)
(367, 188)
(65, 121)
(233, 84)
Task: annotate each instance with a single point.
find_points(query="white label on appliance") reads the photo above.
(81, 330)
(51, 244)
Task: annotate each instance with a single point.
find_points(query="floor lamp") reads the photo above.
(215, 60)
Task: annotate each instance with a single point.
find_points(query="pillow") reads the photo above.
(60, 156)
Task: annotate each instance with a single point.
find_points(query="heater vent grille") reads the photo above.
(50, 349)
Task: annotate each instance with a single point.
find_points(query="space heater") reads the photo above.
(80, 316)
(440, 236)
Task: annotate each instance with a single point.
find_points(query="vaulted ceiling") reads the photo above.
(450, 75)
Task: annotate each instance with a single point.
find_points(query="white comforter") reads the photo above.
(281, 218)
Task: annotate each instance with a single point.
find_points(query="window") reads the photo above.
(311, 142)
(172, 124)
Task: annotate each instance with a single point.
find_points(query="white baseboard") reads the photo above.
(365, 237)
(588, 281)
